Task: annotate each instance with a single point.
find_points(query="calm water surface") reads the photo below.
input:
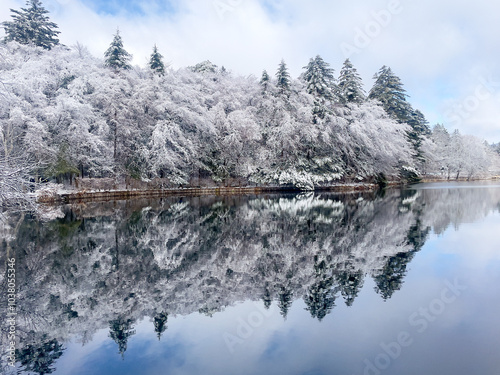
(404, 282)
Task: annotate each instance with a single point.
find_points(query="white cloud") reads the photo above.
(431, 45)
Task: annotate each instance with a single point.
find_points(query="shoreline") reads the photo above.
(82, 196)
(110, 195)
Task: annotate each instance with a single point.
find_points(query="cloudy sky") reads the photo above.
(444, 51)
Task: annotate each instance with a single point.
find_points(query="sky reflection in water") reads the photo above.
(444, 314)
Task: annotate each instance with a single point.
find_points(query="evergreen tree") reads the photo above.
(283, 83)
(285, 300)
(264, 81)
(319, 78)
(350, 84)
(160, 321)
(320, 84)
(120, 331)
(40, 358)
(116, 56)
(31, 26)
(389, 91)
(419, 129)
(350, 283)
(320, 298)
(156, 62)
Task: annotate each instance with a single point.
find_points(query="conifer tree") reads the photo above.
(31, 26)
(350, 84)
(320, 84)
(319, 78)
(283, 83)
(388, 90)
(264, 81)
(156, 62)
(116, 56)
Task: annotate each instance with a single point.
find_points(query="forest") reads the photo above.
(65, 113)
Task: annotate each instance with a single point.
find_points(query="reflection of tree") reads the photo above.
(285, 300)
(120, 330)
(160, 323)
(350, 283)
(391, 277)
(267, 298)
(40, 358)
(320, 297)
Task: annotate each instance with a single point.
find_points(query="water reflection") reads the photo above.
(112, 265)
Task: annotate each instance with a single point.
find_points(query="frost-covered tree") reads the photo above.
(156, 62)
(350, 85)
(120, 330)
(204, 67)
(283, 79)
(319, 78)
(320, 84)
(160, 323)
(265, 80)
(40, 358)
(419, 130)
(116, 55)
(31, 25)
(388, 90)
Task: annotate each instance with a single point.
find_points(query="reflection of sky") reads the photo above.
(462, 340)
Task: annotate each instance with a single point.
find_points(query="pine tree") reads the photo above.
(31, 26)
(116, 56)
(264, 81)
(419, 129)
(283, 77)
(350, 84)
(320, 84)
(156, 62)
(319, 78)
(160, 323)
(389, 91)
(120, 330)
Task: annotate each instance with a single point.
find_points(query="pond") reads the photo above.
(397, 282)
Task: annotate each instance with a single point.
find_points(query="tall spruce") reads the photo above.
(319, 78)
(116, 56)
(320, 84)
(31, 25)
(350, 85)
(264, 81)
(156, 62)
(283, 79)
(388, 90)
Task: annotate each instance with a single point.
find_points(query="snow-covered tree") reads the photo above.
(156, 62)
(116, 55)
(31, 25)
(283, 79)
(320, 84)
(265, 80)
(319, 78)
(350, 85)
(204, 67)
(388, 90)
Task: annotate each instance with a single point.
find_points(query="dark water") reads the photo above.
(404, 282)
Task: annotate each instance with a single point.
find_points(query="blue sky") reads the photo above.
(445, 52)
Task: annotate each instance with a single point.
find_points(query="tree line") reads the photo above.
(65, 113)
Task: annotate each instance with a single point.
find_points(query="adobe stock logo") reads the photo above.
(487, 88)
(363, 37)
(419, 321)
(245, 327)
